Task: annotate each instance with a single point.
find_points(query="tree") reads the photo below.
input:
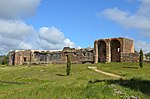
(4, 60)
(141, 58)
(68, 65)
(147, 55)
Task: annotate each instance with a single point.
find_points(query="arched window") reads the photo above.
(101, 51)
(115, 51)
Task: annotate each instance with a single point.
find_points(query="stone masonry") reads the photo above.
(105, 50)
(22, 57)
(114, 50)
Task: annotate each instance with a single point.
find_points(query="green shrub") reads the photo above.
(68, 65)
(4, 60)
(141, 58)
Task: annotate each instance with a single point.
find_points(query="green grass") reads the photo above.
(51, 82)
(128, 70)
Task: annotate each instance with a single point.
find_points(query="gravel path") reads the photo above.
(105, 73)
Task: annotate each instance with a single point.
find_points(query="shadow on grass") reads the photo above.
(132, 67)
(12, 82)
(134, 84)
(61, 75)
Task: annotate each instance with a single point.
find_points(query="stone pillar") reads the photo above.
(108, 51)
(10, 58)
(96, 52)
(16, 58)
(109, 54)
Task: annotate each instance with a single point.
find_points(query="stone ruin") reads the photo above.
(115, 50)
(21, 57)
(105, 50)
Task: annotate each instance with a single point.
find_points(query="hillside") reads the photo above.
(51, 82)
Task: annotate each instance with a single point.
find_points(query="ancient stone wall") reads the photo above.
(114, 48)
(11, 58)
(129, 57)
(46, 57)
(105, 50)
(79, 55)
(21, 57)
(128, 46)
(18, 58)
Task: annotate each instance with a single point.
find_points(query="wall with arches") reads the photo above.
(113, 49)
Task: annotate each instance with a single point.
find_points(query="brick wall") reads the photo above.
(114, 48)
(129, 57)
(105, 50)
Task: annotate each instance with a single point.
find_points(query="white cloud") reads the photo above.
(13, 34)
(24, 45)
(144, 45)
(53, 38)
(51, 35)
(14, 29)
(67, 42)
(139, 20)
(127, 19)
(16, 34)
(17, 8)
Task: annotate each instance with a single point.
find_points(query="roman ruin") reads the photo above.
(104, 51)
(114, 50)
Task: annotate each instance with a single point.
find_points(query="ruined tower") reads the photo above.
(114, 50)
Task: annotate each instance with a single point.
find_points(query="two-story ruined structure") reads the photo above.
(114, 50)
(105, 50)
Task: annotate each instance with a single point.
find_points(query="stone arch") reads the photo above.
(115, 50)
(101, 51)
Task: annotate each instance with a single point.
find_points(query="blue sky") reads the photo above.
(53, 24)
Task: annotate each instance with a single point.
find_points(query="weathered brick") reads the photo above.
(105, 50)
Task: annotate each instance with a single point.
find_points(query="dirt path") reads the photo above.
(105, 73)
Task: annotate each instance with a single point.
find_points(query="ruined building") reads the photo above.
(105, 50)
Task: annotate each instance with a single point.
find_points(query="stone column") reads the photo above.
(16, 58)
(10, 58)
(108, 51)
(96, 52)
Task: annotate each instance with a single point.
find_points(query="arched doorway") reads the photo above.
(115, 51)
(101, 51)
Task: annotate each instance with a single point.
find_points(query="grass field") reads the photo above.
(51, 82)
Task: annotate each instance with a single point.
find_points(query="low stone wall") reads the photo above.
(35, 57)
(129, 57)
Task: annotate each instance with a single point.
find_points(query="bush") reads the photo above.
(141, 58)
(4, 60)
(68, 65)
